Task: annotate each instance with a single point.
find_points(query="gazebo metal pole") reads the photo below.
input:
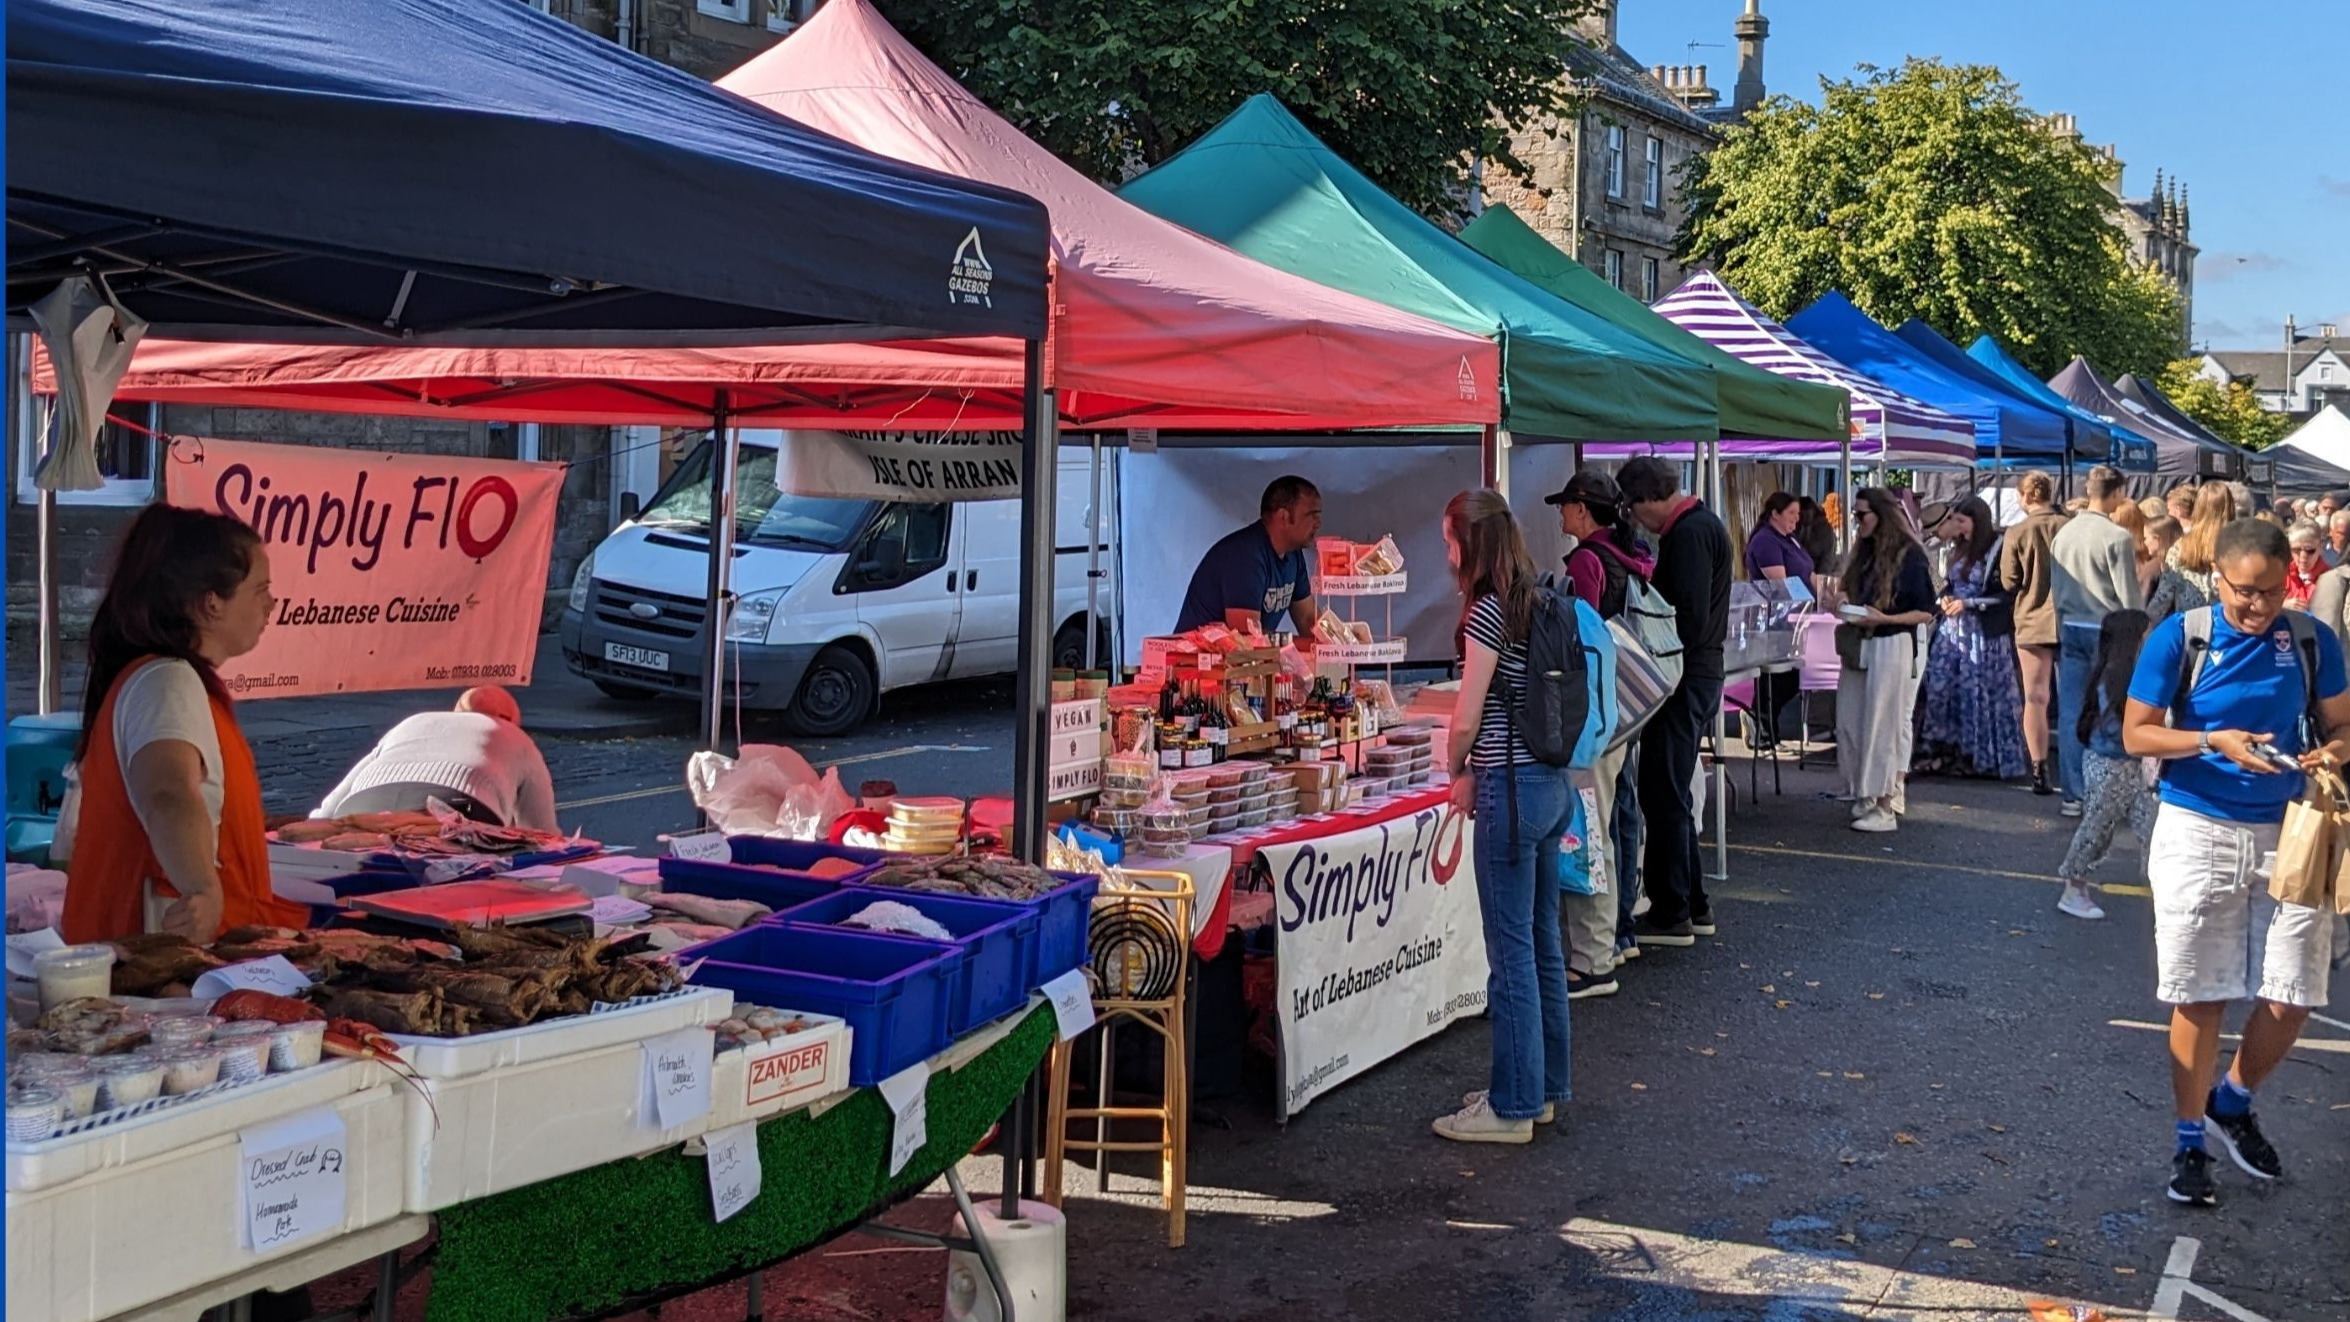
(1032, 685)
(1032, 703)
(1093, 557)
(724, 449)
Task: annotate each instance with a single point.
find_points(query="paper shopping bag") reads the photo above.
(2310, 847)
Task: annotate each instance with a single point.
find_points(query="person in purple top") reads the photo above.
(1773, 552)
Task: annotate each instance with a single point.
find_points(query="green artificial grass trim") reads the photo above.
(588, 1241)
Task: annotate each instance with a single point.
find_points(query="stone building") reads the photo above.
(609, 465)
(1606, 186)
(2156, 228)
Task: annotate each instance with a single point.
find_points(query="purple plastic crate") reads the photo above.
(998, 938)
(892, 991)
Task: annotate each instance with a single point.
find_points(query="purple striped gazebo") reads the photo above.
(1888, 427)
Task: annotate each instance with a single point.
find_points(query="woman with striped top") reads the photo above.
(1522, 806)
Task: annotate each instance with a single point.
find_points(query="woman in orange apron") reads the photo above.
(168, 835)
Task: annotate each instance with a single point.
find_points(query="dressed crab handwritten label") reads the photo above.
(292, 1180)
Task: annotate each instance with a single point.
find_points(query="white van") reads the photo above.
(840, 600)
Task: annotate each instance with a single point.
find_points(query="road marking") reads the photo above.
(1830, 857)
(2329, 1021)
(2178, 1286)
(657, 791)
(2320, 1044)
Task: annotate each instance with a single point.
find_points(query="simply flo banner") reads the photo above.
(901, 466)
(1379, 947)
(391, 571)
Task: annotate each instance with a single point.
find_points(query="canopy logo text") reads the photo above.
(972, 276)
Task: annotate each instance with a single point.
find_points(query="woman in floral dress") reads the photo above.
(1970, 715)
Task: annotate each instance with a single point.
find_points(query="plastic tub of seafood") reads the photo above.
(783, 1073)
(296, 1046)
(73, 973)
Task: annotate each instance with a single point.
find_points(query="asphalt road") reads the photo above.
(1899, 1085)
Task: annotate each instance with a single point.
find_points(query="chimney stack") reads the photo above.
(1751, 29)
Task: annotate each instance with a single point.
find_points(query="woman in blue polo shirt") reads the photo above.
(2205, 708)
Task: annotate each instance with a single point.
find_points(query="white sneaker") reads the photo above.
(1476, 1123)
(1640, 906)
(1877, 821)
(2078, 902)
(1478, 1098)
(2070, 808)
(1863, 807)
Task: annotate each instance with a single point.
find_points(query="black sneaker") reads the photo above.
(1702, 923)
(1650, 932)
(1581, 985)
(2249, 1148)
(2190, 1179)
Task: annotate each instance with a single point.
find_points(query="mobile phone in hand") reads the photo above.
(2276, 757)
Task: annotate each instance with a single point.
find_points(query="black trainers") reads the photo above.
(2241, 1136)
(1650, 932)
(2190, 1179)
(1581, 985)
(1702, 923)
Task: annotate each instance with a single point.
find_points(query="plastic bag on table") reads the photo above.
(747, 794)
(809, 810)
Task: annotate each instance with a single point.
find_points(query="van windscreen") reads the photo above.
(763, 515)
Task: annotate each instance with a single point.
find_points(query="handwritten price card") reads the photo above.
(292, 1180)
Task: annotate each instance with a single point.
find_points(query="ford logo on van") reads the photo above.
(644, 610)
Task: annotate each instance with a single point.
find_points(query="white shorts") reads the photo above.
(2218, 934)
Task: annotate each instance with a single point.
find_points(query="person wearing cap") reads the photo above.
(1601, 565)
(475, 758)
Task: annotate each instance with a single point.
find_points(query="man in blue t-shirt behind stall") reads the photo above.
(1254, 577)
(2218, 934)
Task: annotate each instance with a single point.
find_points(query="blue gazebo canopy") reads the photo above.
(2089, 436)
(2006, 428)
(467, 172)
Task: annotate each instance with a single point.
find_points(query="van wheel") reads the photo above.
(624, 692)
(834, 695)
(1069, 646)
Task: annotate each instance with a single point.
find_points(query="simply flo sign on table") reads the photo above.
(1378, 947)
(901, 466)
(391, 571)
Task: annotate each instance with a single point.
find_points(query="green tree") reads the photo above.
(1931, 191)
(2231, 410)
(1410, 91)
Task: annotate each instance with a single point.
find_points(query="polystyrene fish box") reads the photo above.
(129, 1235)
(533, 1120)
(646, 1016)
(781, 1074)
(172, 1125)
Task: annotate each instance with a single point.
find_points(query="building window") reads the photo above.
(1615, 160)
(1652, 186)
(126, 458)
(1648, 289)
(1612, 266)
(738, 11)
(782, 15)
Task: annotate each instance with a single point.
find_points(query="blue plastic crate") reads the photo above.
(998, 938)
(751, 875)
(1063, 940)
(891, 990)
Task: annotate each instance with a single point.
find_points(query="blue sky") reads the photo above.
(2240, 101)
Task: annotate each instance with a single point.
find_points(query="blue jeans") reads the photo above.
(1526, 959)
(1624, 838)
(2076, 655)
